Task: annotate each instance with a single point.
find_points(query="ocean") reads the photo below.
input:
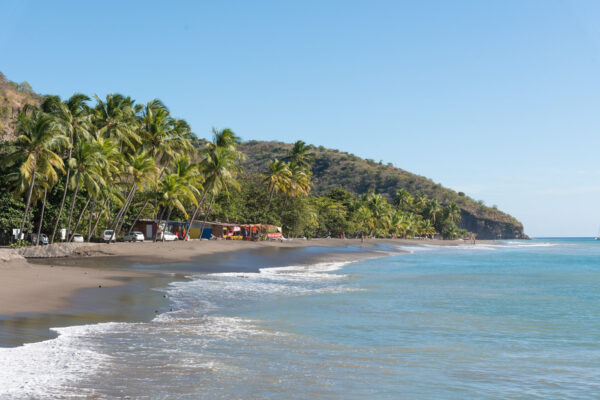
(517, 320)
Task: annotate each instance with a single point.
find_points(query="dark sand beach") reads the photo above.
(92, 283)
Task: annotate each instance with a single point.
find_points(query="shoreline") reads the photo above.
(41, 279)
(85, 282)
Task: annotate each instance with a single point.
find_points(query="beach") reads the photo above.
(45, 280)
(272, 320)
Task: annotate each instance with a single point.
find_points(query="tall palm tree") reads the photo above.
(278, 178)
(141, 170)
(36, 147)
(452, 212)
(433, 210)
(86, 162)
(299, 184)
(174, 193)
(420, 203)
(75, 116)
(403, 200)
(219, 166)
(300, 155)
(115, 119)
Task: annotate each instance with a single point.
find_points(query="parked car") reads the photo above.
(109, 235)
(43, 239)
(168, 236)
(133, 237)
(77, 238)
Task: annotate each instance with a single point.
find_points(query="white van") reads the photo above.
(109, 235)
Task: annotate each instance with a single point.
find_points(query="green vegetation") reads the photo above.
(334, 169)
(92, 164)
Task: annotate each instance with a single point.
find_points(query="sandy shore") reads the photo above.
(27, 287)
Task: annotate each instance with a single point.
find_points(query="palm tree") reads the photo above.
(115, 119)
(174, 192)
(87, 162)
(300, 155)
(452, 212)
(75, 116)
(403, 200)
(220, 169)
(141, 169)
(219, 166)
(35, 149)
(299, 184)
(278, 178)
(433, 210)
(420, 203)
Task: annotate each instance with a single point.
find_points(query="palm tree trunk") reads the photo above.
(89, 229)
(99, 216)
(126, 209)
(138, 216)
(64, 196)
(168, 216)
(27, 206)
(37, 242)
(194, 215)
(270, 198)
(158, 223)
(121, 212)
(207, 213)
(283, 207)
(80, 217)
(73, 206)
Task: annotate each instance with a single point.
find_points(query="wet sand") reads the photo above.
(56, 292)
(39, 293)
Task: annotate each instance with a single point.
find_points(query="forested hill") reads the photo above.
(333, 168)
(13, 97)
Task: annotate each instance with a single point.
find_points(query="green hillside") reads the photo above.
(333, 168)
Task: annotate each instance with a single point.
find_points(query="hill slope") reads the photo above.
(333, 168)
(13, 97)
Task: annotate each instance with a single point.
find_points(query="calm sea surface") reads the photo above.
(519, 320)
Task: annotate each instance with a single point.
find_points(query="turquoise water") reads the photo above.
(519, 320)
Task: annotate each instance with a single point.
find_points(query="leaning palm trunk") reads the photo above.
(283, 207)
(194, 216)
(89, 229)
(168, 217)
(99, 216)
(121, 212)
(73, 206)
(80, 217)
(27, 205)
(120, 225)
(158, 225)
(138, 216)
(64, 196)
(207, 214)
(39, 232)
(270, 199)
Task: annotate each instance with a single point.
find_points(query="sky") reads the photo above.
(499, 99)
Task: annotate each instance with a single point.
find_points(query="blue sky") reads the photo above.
(499, 99)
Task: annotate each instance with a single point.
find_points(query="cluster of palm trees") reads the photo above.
(290, 176)
(114, 157)
(340, 213)
(106, 163)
